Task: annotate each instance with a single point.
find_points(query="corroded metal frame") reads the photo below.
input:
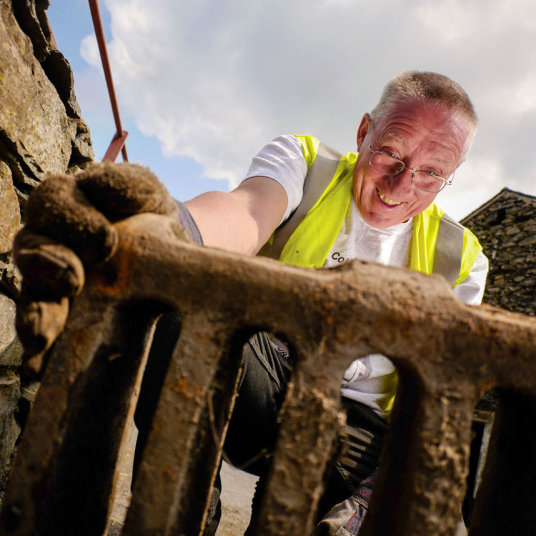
(447, 355)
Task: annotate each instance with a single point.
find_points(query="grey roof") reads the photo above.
(505, 192)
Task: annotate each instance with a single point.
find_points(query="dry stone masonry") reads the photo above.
(41, 131)
(506, 228)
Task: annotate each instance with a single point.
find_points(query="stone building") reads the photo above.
(41, 131)
(506, 228)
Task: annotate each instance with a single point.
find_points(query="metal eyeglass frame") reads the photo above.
(446, 182)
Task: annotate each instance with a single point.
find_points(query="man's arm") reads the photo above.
(471, 290)
(69, 224)
(241, 220)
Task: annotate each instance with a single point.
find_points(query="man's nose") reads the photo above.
(401, 182)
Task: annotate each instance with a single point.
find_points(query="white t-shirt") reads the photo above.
(371, 379)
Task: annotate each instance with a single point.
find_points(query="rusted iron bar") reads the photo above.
(447, 354)
(101, 41)
(116, 146)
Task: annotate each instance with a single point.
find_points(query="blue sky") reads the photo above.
(71, 21)
(203, 84)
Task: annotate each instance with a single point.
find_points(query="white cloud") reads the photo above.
(89, 50)
(215, 80)
(524, 96)
(475, 182)
(448, 20)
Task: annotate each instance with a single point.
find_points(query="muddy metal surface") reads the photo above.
(447, 355)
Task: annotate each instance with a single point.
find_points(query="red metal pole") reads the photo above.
(118, 141)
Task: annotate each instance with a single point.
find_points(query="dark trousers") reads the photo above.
(253, 428)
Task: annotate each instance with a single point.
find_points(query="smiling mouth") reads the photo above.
(388, 201)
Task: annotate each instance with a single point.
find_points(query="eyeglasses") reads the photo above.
(423, 179)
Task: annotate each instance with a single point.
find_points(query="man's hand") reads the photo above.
(69, 223)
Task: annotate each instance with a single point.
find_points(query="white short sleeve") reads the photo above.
(471, 290)
(283, 161)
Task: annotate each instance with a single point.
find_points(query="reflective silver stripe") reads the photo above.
(449, 249)
(318, 177)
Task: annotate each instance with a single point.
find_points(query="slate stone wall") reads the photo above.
(506, 228)
(41, 131)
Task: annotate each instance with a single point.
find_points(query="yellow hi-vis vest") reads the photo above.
(438, 245)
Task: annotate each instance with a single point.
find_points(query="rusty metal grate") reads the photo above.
(447, 354)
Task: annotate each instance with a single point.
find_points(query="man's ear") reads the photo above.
(363, 129)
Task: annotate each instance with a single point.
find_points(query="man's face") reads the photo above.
(422, 135)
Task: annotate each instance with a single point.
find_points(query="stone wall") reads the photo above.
(506, 228)
(41, 131)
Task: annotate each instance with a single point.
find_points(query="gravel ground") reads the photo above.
(237, 492)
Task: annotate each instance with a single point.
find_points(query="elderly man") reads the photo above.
(376, 205)
(307, 205)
